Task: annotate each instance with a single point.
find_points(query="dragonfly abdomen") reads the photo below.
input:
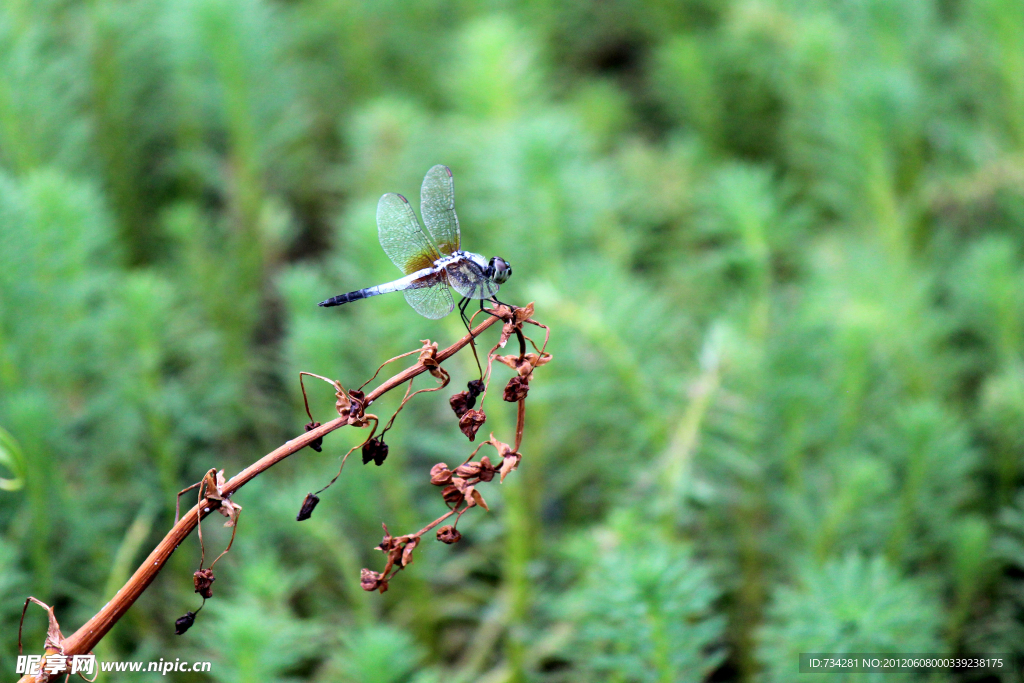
(421, 278)
(350, 296)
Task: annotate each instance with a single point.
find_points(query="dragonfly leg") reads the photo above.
(462, 312)
(465, 321)
(498, 303)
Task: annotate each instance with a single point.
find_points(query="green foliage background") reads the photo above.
(779, 243)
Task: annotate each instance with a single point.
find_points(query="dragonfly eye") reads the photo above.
(500, 270)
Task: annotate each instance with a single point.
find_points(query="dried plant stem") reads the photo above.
(520, 423)
(437, 521)
(85, 638)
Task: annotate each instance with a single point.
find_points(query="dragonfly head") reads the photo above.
(498, 270)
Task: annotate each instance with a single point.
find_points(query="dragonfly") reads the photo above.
(431, 260)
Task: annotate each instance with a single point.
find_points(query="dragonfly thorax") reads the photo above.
(497, 269)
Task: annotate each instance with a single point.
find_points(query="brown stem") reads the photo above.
(234, 528)
(344, 458)
(520, 423)
(408, 397)
(85, 638)
(434, 523)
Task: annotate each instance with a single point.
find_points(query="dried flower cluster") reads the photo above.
(458, 487)
(211, 487)
(459, 492)
(53, 646)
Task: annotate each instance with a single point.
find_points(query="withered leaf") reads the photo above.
(54, 638)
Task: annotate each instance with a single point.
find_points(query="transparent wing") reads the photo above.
(437, 204)
(432, 302)
(401, 236)
(468, 279)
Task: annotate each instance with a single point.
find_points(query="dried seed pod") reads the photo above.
(467, 470)
(465, 400)
(514, 319)
(308, 505)
(452, 495)
(428, 359)
(516, 389)
(487, 470)
(509, 463)
(376, 450)
(184, 623)
(471, 422)
(371, 581)
(476, 498)
(388, 542)
(406, 558)
(440, 475)
(203, 580)
(525, 365)
(448, 534)
(356, 406)
(460, 403)
(315, 444)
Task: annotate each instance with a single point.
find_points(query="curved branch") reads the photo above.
(85, 638)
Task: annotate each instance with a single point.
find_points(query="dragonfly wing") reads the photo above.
(401, 235)
(432, 302)
(437, 204)
(468, 279)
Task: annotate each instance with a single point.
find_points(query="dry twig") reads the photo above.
(214, 492)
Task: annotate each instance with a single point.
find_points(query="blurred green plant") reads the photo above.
(644, 611)
(12, 459)
(781, 243)
(853, 604)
